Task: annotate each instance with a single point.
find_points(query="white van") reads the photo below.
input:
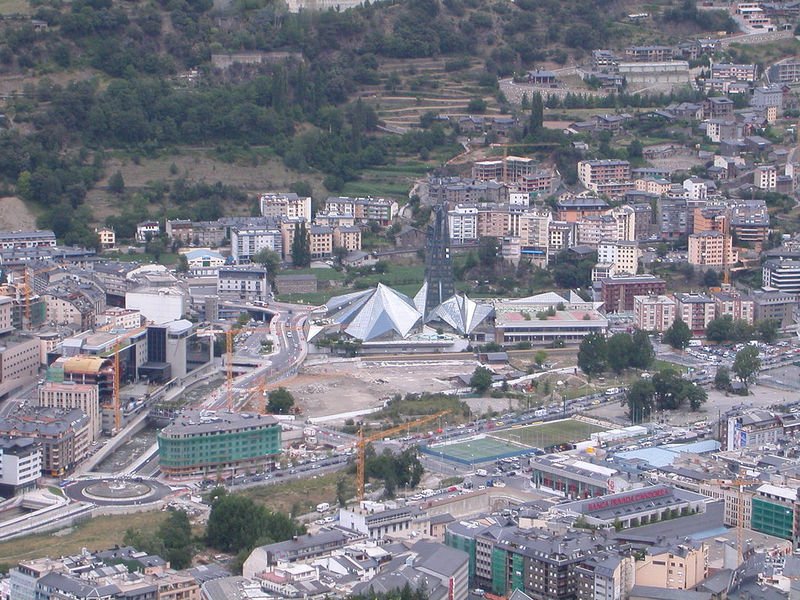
(321, 508)
(481, 472)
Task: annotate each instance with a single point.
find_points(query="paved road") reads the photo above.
(288, 333)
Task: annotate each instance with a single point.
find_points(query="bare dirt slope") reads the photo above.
(14, 215)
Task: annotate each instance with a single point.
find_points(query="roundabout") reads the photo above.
(117, 492)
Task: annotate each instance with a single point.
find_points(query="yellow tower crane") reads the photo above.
(361, 446)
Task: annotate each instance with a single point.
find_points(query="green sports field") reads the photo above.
(477, 450)
(549, 434)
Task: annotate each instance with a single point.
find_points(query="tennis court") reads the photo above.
(546, 435)
(477, 450)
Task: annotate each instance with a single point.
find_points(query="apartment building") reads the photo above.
(736, 306)
(673, 217)
(64, 436)
(592, 229)
(593, 172)
(696, 310)
(540, 182)
(364, 210)
(560, 235)
(107, 236)
(622, 254)
(20, 465)
(576, 208)
(766, 177)
(181, 230)
(785, 72)
(19, 362)
(652, 185)
(510, 169)
(290, 205)
(750, 220)
(246, 241)
(736, 72)
(147, 230)
(27, 239)
(775, 305)
(653, 313)
(711, 249)
(346, 237)
(709, 218)
(320, 241)
(677, 568)
(68, 395)
(649, 53)
(617, 293)
(462, 222)
(246, 283)
(696, 188)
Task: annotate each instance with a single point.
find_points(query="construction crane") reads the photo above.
(116, 404)
(361, 445)
(229, 335)
(229, 366)
(739, 485)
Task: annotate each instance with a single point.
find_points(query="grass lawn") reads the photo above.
(549, 434)
(303, 494)
(98, 534)
(660, 364)
(322, 274)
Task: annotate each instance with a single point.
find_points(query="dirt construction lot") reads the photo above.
(341, 387)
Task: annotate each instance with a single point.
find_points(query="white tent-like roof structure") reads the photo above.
(461, 313)
(374, 313)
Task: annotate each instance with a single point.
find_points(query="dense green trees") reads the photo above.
(481, 379)
(747, 364)
(619, 352)
(172, 541)
(301, 250)
(394, 470)
(640, 400)
(280, 401)
(728, 329)
(678, 335)
(666, 390)
(237, 523)
(593, 354)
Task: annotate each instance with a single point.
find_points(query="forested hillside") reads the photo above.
(136, 77)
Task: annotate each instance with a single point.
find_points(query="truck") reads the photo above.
(481, 472)
(542, 412)
(322, 507)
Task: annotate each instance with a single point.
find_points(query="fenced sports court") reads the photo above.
(492, 446)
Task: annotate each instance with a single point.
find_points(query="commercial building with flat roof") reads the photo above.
(209, 443)
(782, 275)
(20, 464)
(575, 478)
(636, 507)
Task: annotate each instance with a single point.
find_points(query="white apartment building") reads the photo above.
(766, 177)
(462, 222)
(247, 241)
(653, 313)
(696, 188)
(285, 205)
(246, 283)
(20, 464)
(622, 254)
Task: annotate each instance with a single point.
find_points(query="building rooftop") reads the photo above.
(193, 422)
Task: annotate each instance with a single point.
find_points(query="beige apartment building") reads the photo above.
(348, 238)
(709, 248)
(653, 313)
(678, 568)
(69, 395)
